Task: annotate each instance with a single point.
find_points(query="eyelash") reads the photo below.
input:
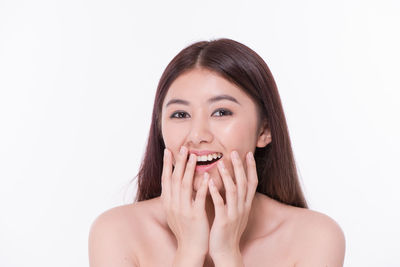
(228, 113)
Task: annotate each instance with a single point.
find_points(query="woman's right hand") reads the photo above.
(186, 217)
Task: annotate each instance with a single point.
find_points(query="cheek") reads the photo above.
(173, 138)
(237, 135)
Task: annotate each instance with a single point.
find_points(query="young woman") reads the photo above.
(218, 185)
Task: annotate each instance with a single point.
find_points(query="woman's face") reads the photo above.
(205, 112)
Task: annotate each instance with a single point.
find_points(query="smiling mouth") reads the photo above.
(208, 162)
(203, 163)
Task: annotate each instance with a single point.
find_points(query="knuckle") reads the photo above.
(185, 184)
(242, 183)
(253, 181)
(201, 193)
(232, 189)
(164, 179)
(175, 178)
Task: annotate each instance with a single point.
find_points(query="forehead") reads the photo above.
(198, 85)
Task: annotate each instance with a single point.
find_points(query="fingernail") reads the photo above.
(167, 153)
(235, 155)
(250, 155)
(206, 175)
(212, 183)
(183, 150)
(221, 164)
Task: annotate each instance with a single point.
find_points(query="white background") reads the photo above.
(78, 80)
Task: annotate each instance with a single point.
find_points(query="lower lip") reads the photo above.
(204, 168)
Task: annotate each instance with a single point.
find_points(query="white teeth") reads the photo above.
(209, 157)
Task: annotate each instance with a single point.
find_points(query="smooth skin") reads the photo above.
(187, 217)
(203, 111)
(193, 223)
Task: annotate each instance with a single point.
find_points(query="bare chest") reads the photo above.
(159, 249)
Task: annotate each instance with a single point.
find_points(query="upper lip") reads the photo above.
(202, 152)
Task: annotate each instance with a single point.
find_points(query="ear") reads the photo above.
(264, 136)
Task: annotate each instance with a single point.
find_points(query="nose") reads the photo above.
(200, 131)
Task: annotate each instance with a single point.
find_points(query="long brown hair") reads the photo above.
(276, 168)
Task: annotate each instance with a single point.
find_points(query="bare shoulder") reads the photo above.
(114, 236)
(320, 238)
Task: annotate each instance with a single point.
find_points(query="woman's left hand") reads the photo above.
(231, 219)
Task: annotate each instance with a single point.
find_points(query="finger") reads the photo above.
(252, 179)
(241, 179)
(187, 181)
(180, 163)
(219, 206)
(230, 189)
(200, 200)
(166, 177)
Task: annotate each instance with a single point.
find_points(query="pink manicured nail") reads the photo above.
(235, 155)
(221, 164)
(212, 183)
(183, 150)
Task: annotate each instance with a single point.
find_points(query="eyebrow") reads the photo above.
(211, 100)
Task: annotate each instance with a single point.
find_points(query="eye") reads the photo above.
(178, 115)
(223, 112)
